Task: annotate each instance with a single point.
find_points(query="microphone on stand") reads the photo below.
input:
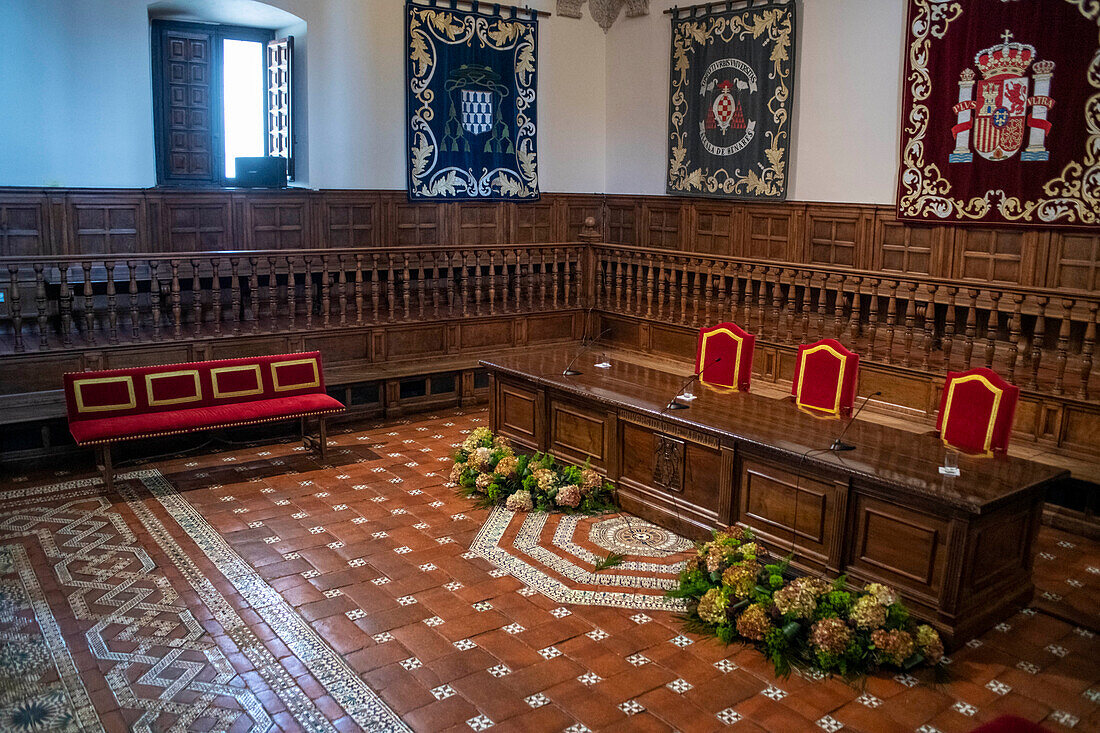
(839, 444)
(673, 404)
(569, 371)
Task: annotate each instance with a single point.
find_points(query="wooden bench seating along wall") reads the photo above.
(113, 405)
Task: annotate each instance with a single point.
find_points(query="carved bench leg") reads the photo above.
(103, 458)
(323, 422)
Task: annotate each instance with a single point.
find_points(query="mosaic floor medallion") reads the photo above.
(556, 555)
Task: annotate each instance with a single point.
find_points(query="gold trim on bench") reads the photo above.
(175, 400)
(79, 397)
(300, 385)
(241, 392)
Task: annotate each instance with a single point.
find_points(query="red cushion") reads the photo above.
(1009, 724)
(196, 418)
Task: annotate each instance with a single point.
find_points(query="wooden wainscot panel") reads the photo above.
(579, 433)
(783, 507)
(904, 548)
(621, 332)
(478, 223)
(341, 348)
(833, 235)
(906, 248)
(483, 334)
(550, 327)
(27, 375)
(416, 341)
(532, 223)
(241, 348)
(352, 221)
(196, 223)
(621, 218)
(129, 358)
(768, 232)
(1075, 261)
(23, 226)
(676, 342)
(518, 413)
(661, 225)
(679, 479)
(108, 225)
(995, 255)
(416, 224)
(713, 229)
(1082, 429)
(277, 222)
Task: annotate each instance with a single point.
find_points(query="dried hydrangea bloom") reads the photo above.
(749, 549)
(474, 439)
(712, 606)
(817, 586)
(928, 639)
(519, 502)
(830, 635)
(733, 532)
(894, 646)
(868, 613)
(590, 480)
(693, 563)
(568, 495)
(754, 623)
(741, 578)
(482, 482)
(507, 466)
(544, 477)
(481, 458)
(716, 557)
(885, 595)
(457, 471)
(795, 599)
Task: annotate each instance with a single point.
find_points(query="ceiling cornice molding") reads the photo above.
(604, 12)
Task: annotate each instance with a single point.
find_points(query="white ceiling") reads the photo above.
(231, 12)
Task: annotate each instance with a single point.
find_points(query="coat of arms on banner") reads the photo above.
(471, 105)
(729, 129)
(982, 138)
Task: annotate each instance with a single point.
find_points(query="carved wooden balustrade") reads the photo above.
(58, 303)
(1043, 340)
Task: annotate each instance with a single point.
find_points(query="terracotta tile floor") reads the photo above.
(174, 625)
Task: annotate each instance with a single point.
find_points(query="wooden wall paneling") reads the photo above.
(713, 230)
(25, 226)
(1074, 261)
(477, 223)
(995, 255)
(767, 232)
(108, 224)
(194, 222)
(350, 220)
(660, 225)
(833, 235)
(578, 208)
(413, 224)
(905, 248)
(531, 223)
(277, 221)
(623, 215)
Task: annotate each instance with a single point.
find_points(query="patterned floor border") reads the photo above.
(487, 545)
(351, 692)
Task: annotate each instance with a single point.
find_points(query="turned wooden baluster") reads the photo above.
(154, 298)
(648, 284)
(949, 328)
(196, 300)
(715, 298)
(391, 289)
(326, 292)
(132, 299)
(769, 314)
(762, 303)
(460, 282)
(15, 308)
(635, 279)
(216, 293)
(891, 320)
(822, 300)
(724, 304)
(342, 289)
(542, 279)
(1037, 342)
(929, 326)
(910, 319)
(493, 283)
(696, 267)
(359, 290)
(112, 302)
(779, 309)
(531, 278)
(65, 306)
(309, 292)
(560, 259)
(438, 282)
(838, 307)
(453, 282)
(684, 287)
(854, 324)
(807, 306)
(421, 284)
(1063, 348)
(574, 290)
(1015, 335)
(613, 267)
(89, 304)
(971, 327)
(661, 282)
(872, 318)
(176, 299)
(253, 310)
(40, 306)
(991, 328)
(272, 295)
(790, 304)
(511, 280)
(406, 279)
(749, 299)
(374, 287)
(291, 292)
(1088, 346)
(479, 283)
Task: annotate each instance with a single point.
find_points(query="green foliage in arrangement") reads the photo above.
(487, 470)
(806, 622)
(613, 560)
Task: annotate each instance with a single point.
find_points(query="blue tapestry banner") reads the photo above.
(471, 81)
(730, 100)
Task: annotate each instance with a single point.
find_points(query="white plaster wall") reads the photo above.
(847, 101)
(76, 79)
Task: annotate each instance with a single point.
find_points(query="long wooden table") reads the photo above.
(959, 549)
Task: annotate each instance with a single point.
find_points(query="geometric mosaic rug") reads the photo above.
(556, 554)
(94, 633)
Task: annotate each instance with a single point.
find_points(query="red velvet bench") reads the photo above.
(108, 406)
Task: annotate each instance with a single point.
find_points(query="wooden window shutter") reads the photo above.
(186, 104)
(280, 135)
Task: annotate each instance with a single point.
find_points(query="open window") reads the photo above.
(219, 92)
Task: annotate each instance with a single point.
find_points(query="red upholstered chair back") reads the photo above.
(825, 377)
(733, 347)
(143, 390)
(976, 411)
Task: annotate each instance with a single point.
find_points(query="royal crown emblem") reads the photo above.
(1000, 109)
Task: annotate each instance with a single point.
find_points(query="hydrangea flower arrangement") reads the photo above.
(735, 594)
(487, 469)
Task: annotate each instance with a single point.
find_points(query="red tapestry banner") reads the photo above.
(1001, 113)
